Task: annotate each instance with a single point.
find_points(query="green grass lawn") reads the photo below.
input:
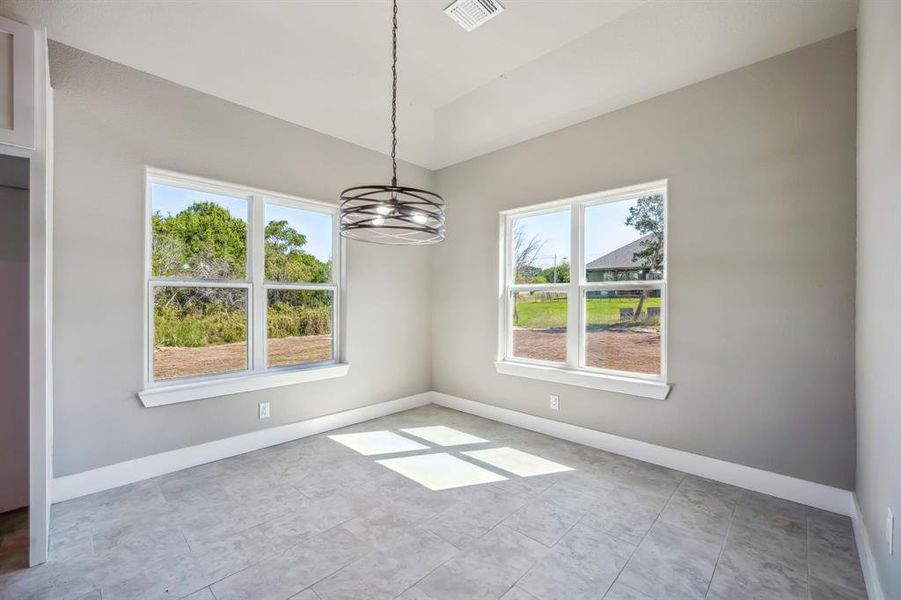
(546, 314)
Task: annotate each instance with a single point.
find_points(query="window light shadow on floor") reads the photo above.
(517, 462)
(444, 436)
(377, 442)
(442, 471)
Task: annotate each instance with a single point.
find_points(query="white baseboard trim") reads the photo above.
(865, 552)
(790, 488)
(783, 486)
(119, 474)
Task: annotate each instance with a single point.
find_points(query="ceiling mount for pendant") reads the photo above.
(392, 214)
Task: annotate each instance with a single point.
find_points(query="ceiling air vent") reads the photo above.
(473, 13)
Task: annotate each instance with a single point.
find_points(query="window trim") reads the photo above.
(257, 375)
(575, 370)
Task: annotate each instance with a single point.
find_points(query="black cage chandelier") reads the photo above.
(392, 214)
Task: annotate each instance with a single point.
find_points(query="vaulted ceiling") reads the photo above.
(539, 66)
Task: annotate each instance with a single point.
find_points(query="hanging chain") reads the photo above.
(394, 98)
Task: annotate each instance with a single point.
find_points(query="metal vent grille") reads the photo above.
(470, 14)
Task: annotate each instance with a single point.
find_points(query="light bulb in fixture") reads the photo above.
(419, 218)
(382, 210)
(378, 221)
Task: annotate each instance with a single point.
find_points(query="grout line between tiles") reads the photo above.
(646, 533)
(433, 569)
(807, 547)
(722, 549)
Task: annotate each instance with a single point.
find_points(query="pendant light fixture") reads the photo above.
(392, 214)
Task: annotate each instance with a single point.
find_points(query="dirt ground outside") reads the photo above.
(629, 349)
(633, 349)
(173, 362)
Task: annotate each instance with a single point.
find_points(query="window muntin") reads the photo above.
(613, 279)
(217, 255)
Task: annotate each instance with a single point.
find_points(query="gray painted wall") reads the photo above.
(111, 121)
(878, 284)
(761, 169)
(13, 333)
(6, 77)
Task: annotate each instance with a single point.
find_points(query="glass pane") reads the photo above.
(539, 325)
(198, 331)
(541, 248)
(299, 324)
(198, 235)
(624, 240)
(623, 330)
(298, 245)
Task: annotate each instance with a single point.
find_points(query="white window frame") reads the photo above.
(575, 371)
(257, 375)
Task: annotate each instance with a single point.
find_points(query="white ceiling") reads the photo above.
(539, 66)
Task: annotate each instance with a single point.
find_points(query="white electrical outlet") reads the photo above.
(555, 402)
(264, 410)
(889, 530)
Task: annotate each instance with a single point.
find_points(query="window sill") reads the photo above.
(175, 393)
(597, 381)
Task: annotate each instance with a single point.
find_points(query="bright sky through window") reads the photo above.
(606, 229)
(552, 230)
(171, 200)
(316, 226)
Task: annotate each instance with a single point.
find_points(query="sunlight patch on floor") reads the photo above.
(517, 462)
(377, 442)
(444, 436)
(440, 471)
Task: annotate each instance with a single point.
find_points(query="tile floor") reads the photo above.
(315, 519)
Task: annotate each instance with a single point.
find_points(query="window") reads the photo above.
(239, 282)
(584, 288)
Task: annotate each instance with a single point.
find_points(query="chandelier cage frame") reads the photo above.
(392, 214)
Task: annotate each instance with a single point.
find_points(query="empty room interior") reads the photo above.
(450, 299)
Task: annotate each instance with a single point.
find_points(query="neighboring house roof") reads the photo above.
(621, 258)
